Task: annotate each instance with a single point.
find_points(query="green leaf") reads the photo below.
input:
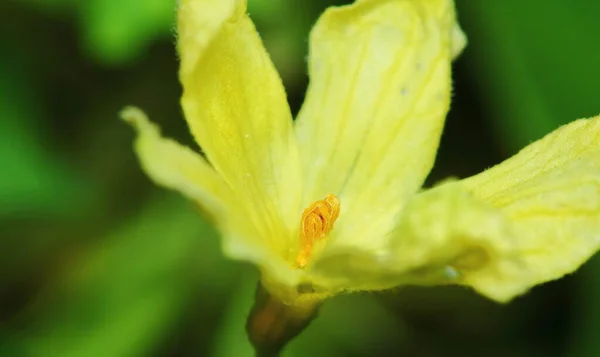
(120, 297)
(535, 62)
(586, 321)
(35, 179)
(116, 32)
(50, 6)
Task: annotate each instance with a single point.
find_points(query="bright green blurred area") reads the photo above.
(96, 261)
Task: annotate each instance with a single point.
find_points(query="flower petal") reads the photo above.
(550, 193)
(235, 105)
(443, 232)
(379, 92)
(176, 167)
(531, 219)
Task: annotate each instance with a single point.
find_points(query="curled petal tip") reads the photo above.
(132, 114)
(136, 118)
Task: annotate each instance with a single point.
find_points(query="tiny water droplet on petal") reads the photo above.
(451, 272)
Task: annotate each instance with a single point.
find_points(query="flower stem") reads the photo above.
(272, 324)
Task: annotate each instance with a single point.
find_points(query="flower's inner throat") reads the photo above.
(316, 224)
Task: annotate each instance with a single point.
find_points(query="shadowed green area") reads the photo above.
(97, 261)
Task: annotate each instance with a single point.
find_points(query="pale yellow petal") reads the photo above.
(466, 241)
(531, 219)
(443, 235)
(550, 194)
(198, 23)
(235, 105)
(174, 166)
(379, 91)
(177, 167)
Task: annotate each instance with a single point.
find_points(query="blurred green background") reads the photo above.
(96, 261)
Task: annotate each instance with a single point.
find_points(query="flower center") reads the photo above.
(316, 223)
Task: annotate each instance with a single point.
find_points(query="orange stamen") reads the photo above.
(316, 223)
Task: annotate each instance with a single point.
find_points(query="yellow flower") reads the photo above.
(330, 202)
